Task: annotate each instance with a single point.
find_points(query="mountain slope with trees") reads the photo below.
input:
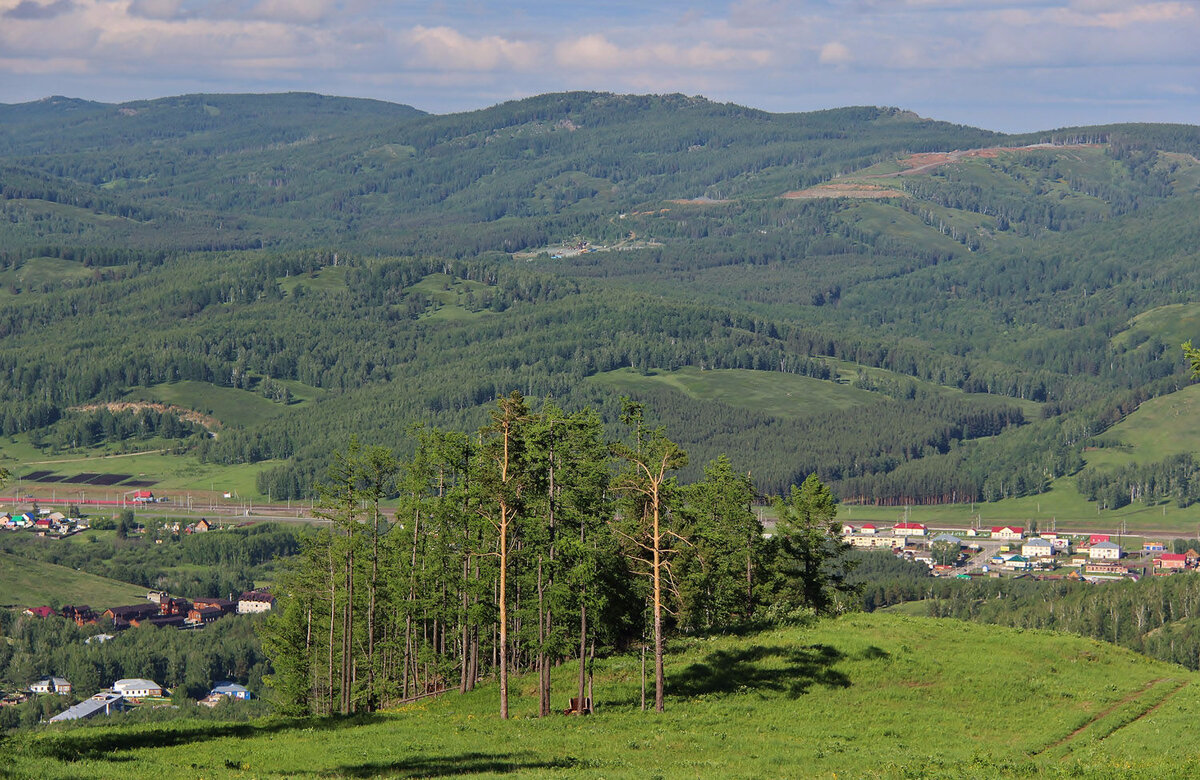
(403, 264)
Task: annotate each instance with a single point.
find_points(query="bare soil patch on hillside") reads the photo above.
(191, 415)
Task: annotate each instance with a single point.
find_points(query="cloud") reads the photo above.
(157, 9)
(1127, 16)
(30, 9)
(299, 11)
(445, 47)
(835, 53)
(596, 52)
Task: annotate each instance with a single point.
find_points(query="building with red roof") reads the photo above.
(1171, 561)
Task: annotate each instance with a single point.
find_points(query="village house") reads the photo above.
(1153, 546)
(102, 703)
(40, 612)
(58, 685)
(890, 542)
(201, 616)
(162, 621)
(231, 690)
(868, 529)
(909, 529)
(82, 615)
(255, 601)
(1008, 532)
(225, 605)
(1037, 548)
(174, 606)
(137, 688)
(1104, 551)
(1105, 569)
(123, 617)
(1097, 539)
(1018, 563)
(1061, 544)
(1169, 562)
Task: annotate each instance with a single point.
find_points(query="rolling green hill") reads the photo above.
(863, 695)
(29, 583)
(965, 337)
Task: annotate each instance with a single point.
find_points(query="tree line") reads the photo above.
(531, 543)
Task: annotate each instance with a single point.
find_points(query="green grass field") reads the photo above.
(328, 278)
(27, 583)
(175, 475)
(861, 696)
(228, 404)
(1163, 426)
(783, 395)
(1173, 324)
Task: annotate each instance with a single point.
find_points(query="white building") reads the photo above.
(137, 688)
(1104, 551)
(51, 685)
(254, 602)
(1037, 548)
(103, 702)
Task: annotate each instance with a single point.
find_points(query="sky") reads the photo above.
(1009, 65)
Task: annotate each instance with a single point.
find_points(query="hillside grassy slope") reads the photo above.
(27, 583)
(860, 696)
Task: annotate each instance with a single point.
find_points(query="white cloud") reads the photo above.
(299, 11)
(835, 53)
(445, 47)
(1152, 13)
(596, 52)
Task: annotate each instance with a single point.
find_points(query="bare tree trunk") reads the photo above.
(543, 668)
(659, 676)
(332, 621)
(503, 599)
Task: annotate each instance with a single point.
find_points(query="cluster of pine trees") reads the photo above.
(526, 545)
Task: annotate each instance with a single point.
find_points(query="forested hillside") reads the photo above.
(934, 312)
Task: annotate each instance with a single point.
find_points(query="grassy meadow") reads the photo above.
(860, 696)
(785, 395)
(29, 583)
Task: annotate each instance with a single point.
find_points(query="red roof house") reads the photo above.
(1171, 561)
(1097, 539)
(41, 612)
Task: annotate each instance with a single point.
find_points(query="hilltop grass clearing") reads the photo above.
(1161, 427)
(783, 395)
(229, 405)
(787, 395)
(29, 583)
(860, 696)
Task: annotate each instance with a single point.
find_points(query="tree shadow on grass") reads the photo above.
(106, 744)
(732, 671)
(446, 766)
